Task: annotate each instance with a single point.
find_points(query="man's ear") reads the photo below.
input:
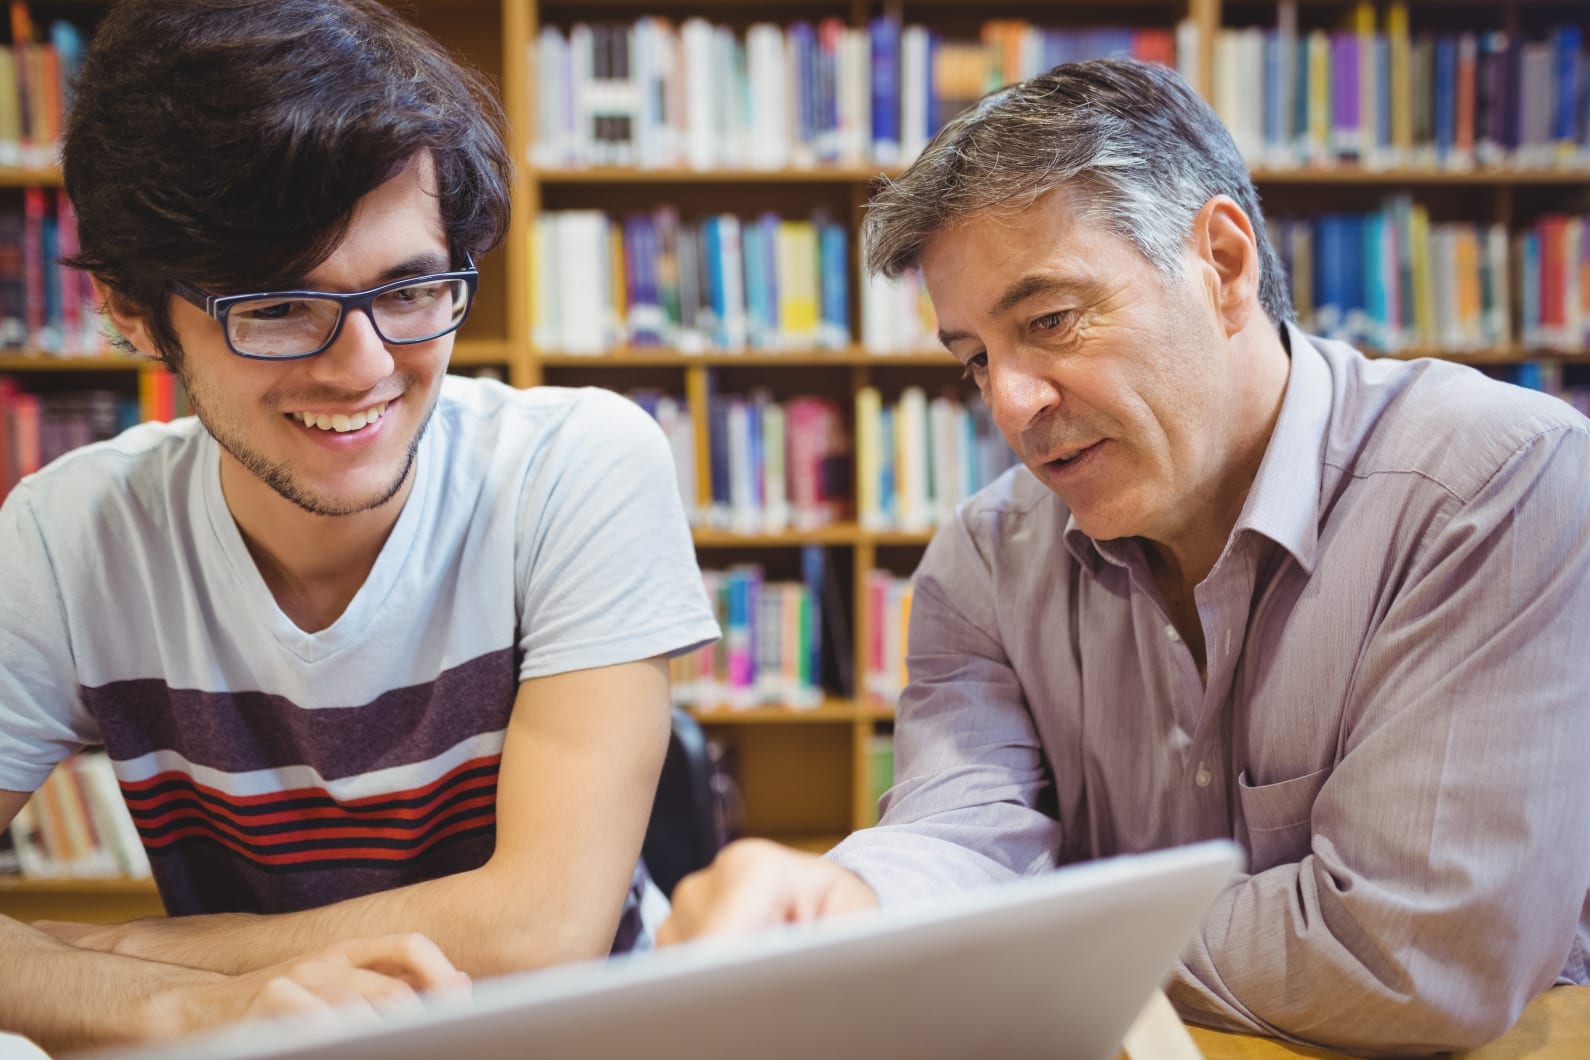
(131, 322)
(1224, 241)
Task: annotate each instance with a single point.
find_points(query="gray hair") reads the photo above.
(1146, 149)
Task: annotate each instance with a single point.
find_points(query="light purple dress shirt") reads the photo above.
(1395, 724)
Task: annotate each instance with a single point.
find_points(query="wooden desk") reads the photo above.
(1555, 1026)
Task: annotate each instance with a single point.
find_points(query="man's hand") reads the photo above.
(357, 979)
(754, 884)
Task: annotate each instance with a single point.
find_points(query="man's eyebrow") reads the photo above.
(1014, 295)
(422, 264)
(1026, 287)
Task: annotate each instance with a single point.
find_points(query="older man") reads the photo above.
(1247, 584)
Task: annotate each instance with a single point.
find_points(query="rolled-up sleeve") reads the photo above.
(972, 798)
(1450, 856)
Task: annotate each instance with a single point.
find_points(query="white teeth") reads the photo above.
(339, 422)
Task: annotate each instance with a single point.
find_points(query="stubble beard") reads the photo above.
(278, 474)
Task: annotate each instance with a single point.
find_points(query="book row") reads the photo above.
(75, 826)
(1391, 279)
(1388, 279)
(37, 70)
(1379, 95)
(45, 306)
(650, 279)
(37, 428)
(784, 640)
(919, 457)
(888, 616)
(654, 95)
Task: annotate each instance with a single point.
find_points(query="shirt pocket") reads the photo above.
(1278, 818)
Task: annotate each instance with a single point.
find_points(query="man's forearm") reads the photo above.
(66, 998)
(485, 926)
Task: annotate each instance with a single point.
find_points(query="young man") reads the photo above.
(374, 649)
(1248, 584)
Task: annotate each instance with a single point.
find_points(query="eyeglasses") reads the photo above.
(289, 325)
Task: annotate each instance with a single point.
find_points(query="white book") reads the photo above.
(911, 460)
(744, 516)
(855, 96)
(734, 327)
(869, 452)
(551, 63)
(731, 96)
(769, 107)
(583, 302)
(698, 43)
(1187, 51)
(946, 458)
(913, 100)
(582, 147)
(111, 817)
(546, 329)
(775, 480)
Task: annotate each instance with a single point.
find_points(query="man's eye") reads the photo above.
(1049, 321)
(975, 365)
(271, 310)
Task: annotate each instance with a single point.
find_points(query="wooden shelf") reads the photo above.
(1484, 177)
(640, 356)
(831, 711)
(1479, 176)
(837, 534)
(813, 175)
(97, 901)
(43, 362)
(14, 177)
(478, 351)
(85, 887)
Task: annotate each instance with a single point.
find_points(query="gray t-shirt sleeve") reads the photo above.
(605, 566)
(42, 719)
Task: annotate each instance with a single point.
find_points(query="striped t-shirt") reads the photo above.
(269, 769)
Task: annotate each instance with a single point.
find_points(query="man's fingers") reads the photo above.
(412, 958)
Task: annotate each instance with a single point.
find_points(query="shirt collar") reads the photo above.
(1283, 504)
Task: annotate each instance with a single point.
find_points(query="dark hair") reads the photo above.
(225, 143)
(1146, 148)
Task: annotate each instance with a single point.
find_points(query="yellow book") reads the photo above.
(1468, 285)
(797, 282)
(1319, 95)
(618, 305)
(1368, 87)
(869, 444)
(1401, 84)
(1423, 289)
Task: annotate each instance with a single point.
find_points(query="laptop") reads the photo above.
(1052, 966)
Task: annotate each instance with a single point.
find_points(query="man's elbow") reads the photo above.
(1411, 1026)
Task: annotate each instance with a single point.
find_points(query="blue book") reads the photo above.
(760, 325)
(768, 223)
(1566, 70)
(834, 276)
(712, 240)
(885, 40)
(1275, 132)
(803, 41)
(814, 561)
(754, 446)
(717, 450)
(886, 459)
(1330, 300)
(1377, 307)
(1445, 96)
(1529, 290)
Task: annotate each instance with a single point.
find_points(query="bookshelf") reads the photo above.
(806, 775)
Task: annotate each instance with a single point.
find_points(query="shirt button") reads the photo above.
(1203, 776)
(1170, 632)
